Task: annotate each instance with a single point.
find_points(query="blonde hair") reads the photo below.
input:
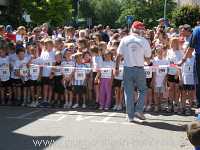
(174, 42)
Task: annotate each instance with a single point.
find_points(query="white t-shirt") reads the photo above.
(161, 72)
(67, 68)
(48, 59)
(4, 69)
(134, 49)
(188, 71)
(12, 59)
(21, 65)
(96, 62)
(35, 68)
(19, 37)
(106, 69)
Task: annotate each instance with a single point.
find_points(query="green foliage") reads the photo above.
(186, 15)
(56, 12)
(147, 11)
(104, 12)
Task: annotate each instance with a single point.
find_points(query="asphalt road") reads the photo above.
(59, 129)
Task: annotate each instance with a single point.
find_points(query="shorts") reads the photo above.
(148, 81)
(79, 89)
(47, 81)
(68, 87)
(58, 85)
(17, 82)
(117, 83)
(26, 83)
(94, 76)
(6, 83)
(34, 83)
(187, 87)
(171, 78)
(160, 90)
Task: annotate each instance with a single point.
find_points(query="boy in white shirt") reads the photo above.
(48, 59)
(5, 83)
(159, 77)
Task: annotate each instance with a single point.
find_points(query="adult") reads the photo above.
(103, 34)
(134, 49)
(194, 45)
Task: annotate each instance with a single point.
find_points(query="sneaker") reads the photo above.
(119, 108)
(156, 109)
(24, 104)
(176, 108)
(32, 104)
(148, 108)
(188, 112)
(84, 106)
(169, 108)
(115, 107)
(100, 108)
(65, 105)
(130, 120)
(75, 106)
(69, 105)
(106, 108)
(140, 116)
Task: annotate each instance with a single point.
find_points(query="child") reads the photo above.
(5, 83)
(48, 57)
(193, 133)
(96, 61)
(106, 77)
(174, 55)
(20, 69)
(79, 82)
(117, 83)
(57, 76)
(187, 86)
(88, 62)
(159, 77)
(68, 67)
(35, 72)
(149, 96)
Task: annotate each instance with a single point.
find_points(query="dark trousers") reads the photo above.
(197, 70)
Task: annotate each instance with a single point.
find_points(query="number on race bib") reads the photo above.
(106, 73)
(80, 75)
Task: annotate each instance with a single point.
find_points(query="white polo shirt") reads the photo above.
(134, 49)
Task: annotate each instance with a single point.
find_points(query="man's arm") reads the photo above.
(188, 54)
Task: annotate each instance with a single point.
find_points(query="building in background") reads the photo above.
(188, 2)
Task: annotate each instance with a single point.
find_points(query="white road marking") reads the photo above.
(25, 115)
(106, 119)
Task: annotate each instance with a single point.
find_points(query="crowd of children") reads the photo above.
(75, 68)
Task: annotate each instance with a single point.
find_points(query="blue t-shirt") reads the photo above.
(195, 40)
(197, 148)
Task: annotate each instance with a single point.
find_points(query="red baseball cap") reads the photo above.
(138, 25)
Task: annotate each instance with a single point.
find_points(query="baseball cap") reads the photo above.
(138, 25)
(161, 19)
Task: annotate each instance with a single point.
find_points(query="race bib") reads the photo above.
(4, 73)
(106, 73)
(67, 70)
(172, 71)
(148, 72)
(161, 71)
(58, 71)
(188, 69)
(34, 72)
(80, 75)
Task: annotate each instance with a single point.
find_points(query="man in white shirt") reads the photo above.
(134, 48)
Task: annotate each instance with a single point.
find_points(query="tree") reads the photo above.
(56, 12)
(104, 12)
(186, 15)
(145, 10)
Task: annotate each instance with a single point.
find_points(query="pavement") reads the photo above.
(58, 129)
